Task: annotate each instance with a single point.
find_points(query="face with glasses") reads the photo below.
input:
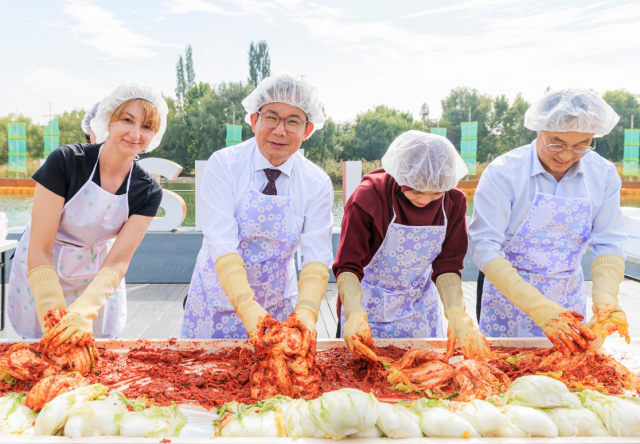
(558, 151)
(280, 129)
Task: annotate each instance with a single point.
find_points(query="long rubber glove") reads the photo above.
(356, 331)
(312, 287)
(76, 327)
(562, 326)
(47, 292)
(607, 272)
(461, 328)
(234, 281)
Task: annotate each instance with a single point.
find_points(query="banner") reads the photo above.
(439, 131)
(17, 147)
(631, 148)
(234, 134)
(469, 145)
(51, 136)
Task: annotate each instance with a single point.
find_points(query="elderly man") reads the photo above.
(262, 200)
(537, 208)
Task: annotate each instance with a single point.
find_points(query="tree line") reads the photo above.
(200, 111)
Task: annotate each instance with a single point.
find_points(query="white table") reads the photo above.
(6, 245)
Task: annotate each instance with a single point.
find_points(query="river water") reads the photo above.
(18, 208)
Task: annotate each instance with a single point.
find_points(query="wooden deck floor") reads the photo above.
(155, 310)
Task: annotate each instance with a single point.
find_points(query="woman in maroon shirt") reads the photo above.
(402, 245)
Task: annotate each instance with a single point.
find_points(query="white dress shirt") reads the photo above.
(507, 188)
(229, 174)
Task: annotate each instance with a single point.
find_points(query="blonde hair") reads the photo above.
(149, 110)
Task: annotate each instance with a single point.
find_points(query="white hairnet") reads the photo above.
(286, 88)
(424, 162)
(88, 117)
(127, 91)
(578, 110)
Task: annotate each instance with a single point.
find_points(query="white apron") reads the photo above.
(547, 251)
(90, 222)
(269, 234)
(399, 295)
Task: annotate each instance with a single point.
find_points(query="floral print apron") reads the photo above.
(90, 222)
(547, 251)
(269, 235)
(399, 295)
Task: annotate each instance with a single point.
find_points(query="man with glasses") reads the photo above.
(261, 201)
(536, 210)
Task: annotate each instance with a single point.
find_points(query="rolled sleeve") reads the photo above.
(491, 215)
(608, 233)
(219, 225)
(315, 240)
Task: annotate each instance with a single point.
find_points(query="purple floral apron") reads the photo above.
(547, 251)
(89, 223)
(399, 296)
(269, 235)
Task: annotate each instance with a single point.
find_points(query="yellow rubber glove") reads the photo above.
(234, 281)
(607, 272)
(76, 327)
(47, 292)
(312, 287)
(561, 326)
(472, 342)
(356, 331)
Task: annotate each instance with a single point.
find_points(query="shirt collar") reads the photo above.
(537, 168)
(261, 163)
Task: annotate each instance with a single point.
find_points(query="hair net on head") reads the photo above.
(286, 88)
(578, 110)
(424, 162)
(127, 91)
(88, 117)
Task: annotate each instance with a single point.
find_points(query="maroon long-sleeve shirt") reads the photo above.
(369, 212)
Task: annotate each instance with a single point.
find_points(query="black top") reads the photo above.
(68, 168)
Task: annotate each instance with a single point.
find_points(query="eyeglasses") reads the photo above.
(291, 124)
(558, 148)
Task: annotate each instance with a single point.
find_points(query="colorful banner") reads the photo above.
(631, 149)
(51, 136)
(469, 145)
(234, 134)
(17, 147)
(439, 131)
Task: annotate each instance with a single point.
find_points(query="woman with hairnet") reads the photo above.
(403, 242)
(261, 201)
(86, 123)
(537, 208)
(92, 206)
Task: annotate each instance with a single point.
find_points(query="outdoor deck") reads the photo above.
(155, 310)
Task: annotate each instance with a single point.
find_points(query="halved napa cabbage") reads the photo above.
(541, 392)
(55, 413)
(620, 417)
(15, 418)
(263, 419)
(397, 421)
(576, 422)
(344, 412)
(485, 418)
(96, 418)
(437, 421)
(532, 421)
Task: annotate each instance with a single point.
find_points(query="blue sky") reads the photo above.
(358, 53)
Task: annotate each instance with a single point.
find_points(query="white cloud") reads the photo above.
(187, 6)
(99, 28)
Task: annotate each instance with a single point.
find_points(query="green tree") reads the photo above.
(181, 86)
(322, 143)
(190, 72)
(35, 138)
(70, 129)
(626, 105)
(424, 114)
(374, 131)
(259, 62)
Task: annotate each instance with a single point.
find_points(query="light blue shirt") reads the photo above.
(507, 188)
